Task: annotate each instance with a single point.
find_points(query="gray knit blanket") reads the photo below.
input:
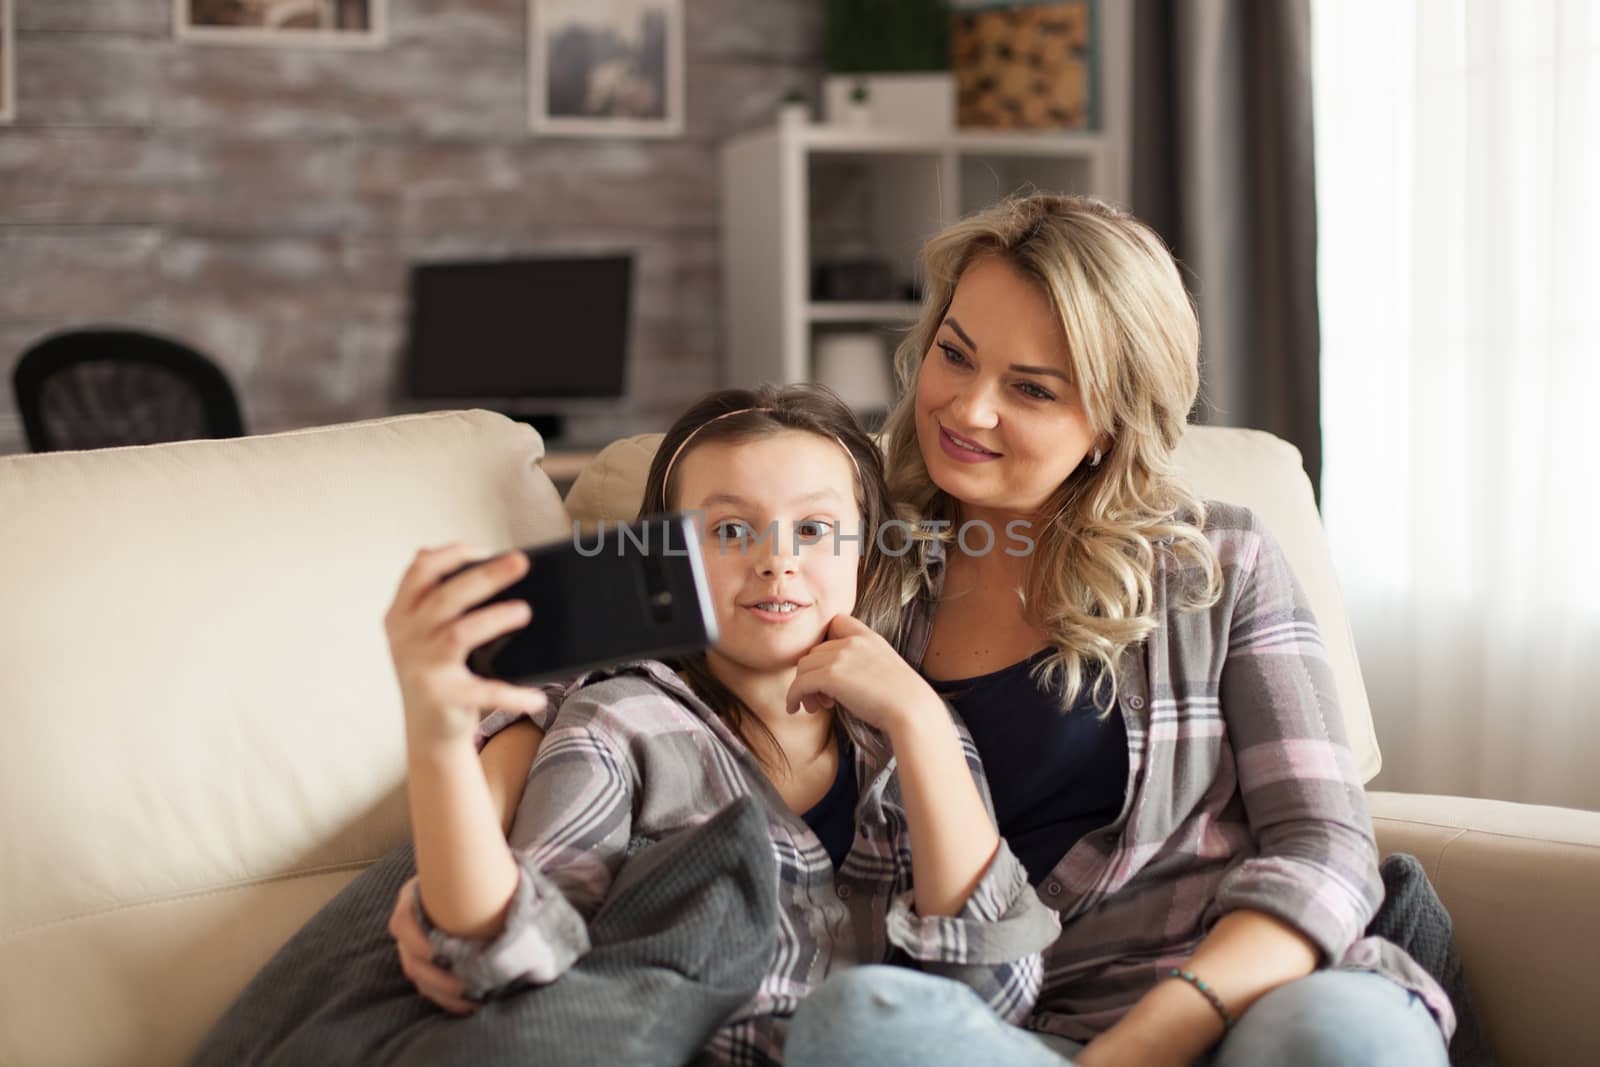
(681, 942)
(1413, 917)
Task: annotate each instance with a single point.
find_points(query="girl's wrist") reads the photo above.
(917, 719)
(432, 738)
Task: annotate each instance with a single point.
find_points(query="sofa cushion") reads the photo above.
(204, 736)
(612, 486)
(1246, 467)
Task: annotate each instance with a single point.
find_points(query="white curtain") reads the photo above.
(1458, 188)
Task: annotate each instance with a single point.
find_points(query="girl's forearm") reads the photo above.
(465, 871)
(953, 840)
(1245, 956)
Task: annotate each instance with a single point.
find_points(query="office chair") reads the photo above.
(102, 386)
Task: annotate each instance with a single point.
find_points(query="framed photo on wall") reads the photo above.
(283, 23)
(8, 64)
(1025, 65)
(605, 68)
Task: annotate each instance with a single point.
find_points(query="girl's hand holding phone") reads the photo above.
(431, 631)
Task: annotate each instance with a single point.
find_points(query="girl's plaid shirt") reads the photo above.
(633, 753)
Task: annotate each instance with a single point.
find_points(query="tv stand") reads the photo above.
(549, 424)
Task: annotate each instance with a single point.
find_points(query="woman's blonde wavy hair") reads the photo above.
(1133, 348)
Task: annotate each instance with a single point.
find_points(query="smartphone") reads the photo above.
(627, 592)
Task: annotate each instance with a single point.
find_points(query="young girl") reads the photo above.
(878, 814)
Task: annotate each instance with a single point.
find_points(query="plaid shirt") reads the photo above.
(637, 754)
(1242, 793)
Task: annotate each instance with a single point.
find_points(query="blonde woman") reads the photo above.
(1142, 678)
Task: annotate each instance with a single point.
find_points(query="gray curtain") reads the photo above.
(1222, 168)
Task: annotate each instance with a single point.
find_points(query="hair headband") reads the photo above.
(666, 478)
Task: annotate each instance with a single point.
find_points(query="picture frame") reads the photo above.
(606, 68)
(1026, 65)
(283, 23)
(8, 62)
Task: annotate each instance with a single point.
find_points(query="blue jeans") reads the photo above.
(897, 1017)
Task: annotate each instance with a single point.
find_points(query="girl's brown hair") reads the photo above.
(882, 578)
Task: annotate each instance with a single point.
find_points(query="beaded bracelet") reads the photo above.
(1207, 992)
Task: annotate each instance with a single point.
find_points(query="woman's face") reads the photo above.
(999, 421)
(777, 574)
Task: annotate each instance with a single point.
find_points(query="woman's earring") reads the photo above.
(1095, 462)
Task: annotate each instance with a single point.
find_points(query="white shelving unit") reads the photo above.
(905, 187)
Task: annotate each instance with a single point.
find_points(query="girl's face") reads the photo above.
(999, 421)
(772, 506)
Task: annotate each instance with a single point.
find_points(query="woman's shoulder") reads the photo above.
(1234, 530)
(1219, 542)
(1248, 556)
(1222, 515)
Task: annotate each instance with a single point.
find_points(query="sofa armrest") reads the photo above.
(1522, 883)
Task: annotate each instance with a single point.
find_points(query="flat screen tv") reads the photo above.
(523, 328)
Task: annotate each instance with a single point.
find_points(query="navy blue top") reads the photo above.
(833, 818)
(1054, 776)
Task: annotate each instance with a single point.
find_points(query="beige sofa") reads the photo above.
(204, 741)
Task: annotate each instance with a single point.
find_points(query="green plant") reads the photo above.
(886, 36)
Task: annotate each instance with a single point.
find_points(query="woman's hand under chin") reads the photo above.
(854, 666)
